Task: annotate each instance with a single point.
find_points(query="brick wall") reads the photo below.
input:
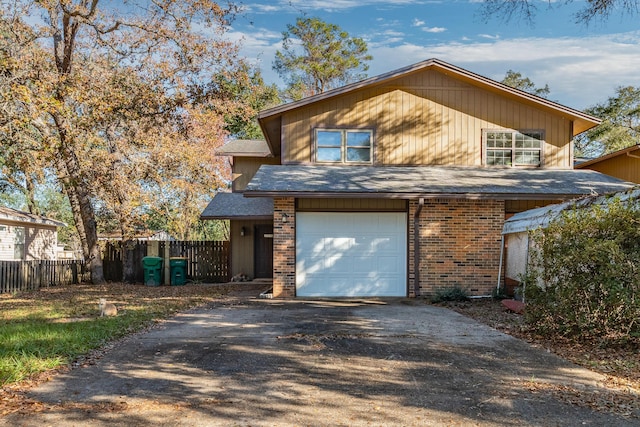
(459, 245)
(284, 248)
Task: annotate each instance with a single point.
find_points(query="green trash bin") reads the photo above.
(152, 266)
(178, 267)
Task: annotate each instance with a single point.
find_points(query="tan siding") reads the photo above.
(515, 206)
(244, 168)
(425, 118)
(351, 205)
(242, 247)
(622, 167)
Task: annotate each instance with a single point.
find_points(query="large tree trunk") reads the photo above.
(83, 213)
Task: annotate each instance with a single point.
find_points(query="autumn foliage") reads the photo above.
(117, 101)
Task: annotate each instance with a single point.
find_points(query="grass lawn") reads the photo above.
(46, 329)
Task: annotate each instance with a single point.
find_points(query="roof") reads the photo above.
(245, 148)
(270, 126)
(139, 235)
(625, 151)
(15, 215)
(429, 182)
(541, 217)
(236, 206)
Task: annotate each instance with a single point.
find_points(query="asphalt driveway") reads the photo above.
(267, 362)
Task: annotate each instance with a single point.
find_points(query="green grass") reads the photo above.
(47, 329)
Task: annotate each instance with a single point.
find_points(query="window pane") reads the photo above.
(358, 155)
(499, 157)
(329, 138)
(498, 139)
(18, 243)
(358, 139)
(329, 154)
(528, 140)
(527, 157)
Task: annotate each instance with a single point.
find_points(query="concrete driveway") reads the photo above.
(268, 362)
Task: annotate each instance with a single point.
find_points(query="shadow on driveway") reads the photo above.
(270, 362)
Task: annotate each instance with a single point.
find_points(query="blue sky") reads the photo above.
(582, 64)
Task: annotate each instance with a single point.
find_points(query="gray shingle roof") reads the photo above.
(245, 148)
(235, 206)
(429, 181)
(541, 217)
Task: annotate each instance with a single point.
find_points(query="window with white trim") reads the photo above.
(513, 148)
(18, 242)
(343, 145)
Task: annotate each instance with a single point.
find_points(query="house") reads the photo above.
(623, 164)
(399, 185)
(24, 236)
(143, 235)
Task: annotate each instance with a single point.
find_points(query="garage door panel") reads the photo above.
(351, 254)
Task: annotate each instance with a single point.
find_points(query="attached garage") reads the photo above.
(351, 254)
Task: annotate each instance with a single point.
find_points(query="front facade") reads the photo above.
(399, 185)
(27, 237)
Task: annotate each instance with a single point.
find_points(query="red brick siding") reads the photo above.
(284, 248)
(459, 244)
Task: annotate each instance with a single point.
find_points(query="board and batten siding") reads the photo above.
(425, 118)
(623, 167)
(244, 168)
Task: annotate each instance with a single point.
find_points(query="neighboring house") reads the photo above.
(623, 164)
(399, 185)
(24, 236)
(516, 230)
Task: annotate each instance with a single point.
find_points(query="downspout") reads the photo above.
(500, 265)
(416, 248)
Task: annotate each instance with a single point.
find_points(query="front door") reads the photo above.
(263, 251)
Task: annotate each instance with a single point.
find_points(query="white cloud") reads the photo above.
(580, 71)
(417, 23)
(434, 29)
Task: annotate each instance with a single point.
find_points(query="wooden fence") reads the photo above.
(207, 261)
(18, 276)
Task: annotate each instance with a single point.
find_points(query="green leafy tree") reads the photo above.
(317, 56)
(620, 127)
(527, 9)
(248, 94)
(585, 280)
(518, 81)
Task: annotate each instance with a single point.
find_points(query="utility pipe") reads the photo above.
(416, 248)
(500, 265)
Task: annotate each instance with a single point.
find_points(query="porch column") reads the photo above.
(284, 247)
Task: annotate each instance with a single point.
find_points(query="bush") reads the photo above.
(450, 294)
(584, 281)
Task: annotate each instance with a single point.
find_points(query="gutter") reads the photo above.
(416, 248)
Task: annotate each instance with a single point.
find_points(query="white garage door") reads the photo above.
(351, 254)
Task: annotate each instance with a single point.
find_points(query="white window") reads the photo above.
(343, 145)
(513, 148)
(18, 242)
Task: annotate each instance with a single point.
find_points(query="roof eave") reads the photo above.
(607, 156)
(582, 121)
(414, 196)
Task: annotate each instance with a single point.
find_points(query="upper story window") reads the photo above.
(513, 148)
(343, 145)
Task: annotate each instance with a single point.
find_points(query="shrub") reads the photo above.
(450, 294)
(584, 280)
